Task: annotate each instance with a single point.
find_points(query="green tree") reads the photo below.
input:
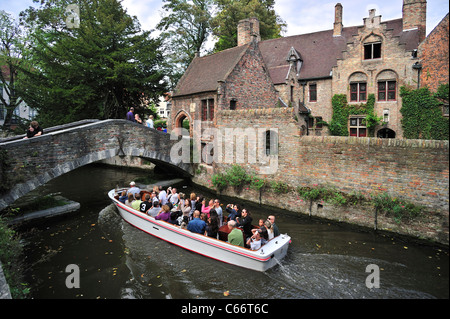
(11, 38)
(97, 69)
(230, 12)
(185, 28)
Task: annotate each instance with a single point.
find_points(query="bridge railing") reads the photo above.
(51, 129)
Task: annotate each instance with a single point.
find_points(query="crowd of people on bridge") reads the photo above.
(197, 215)
(135, 118)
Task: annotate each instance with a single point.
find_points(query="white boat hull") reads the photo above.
(261, 260)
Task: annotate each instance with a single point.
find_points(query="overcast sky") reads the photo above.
(301, 16)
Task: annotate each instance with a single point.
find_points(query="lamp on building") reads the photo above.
(417, 66)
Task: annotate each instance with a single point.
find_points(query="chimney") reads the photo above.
(337, 29)
(248, 30)
(415, 16)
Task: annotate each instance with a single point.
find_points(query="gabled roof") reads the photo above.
(320, 50)
(204, 73)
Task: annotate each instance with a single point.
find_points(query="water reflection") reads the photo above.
(119, 261)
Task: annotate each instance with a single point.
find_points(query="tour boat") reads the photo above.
(262, 259)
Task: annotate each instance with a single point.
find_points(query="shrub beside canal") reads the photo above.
(10, 258)
(399, 210)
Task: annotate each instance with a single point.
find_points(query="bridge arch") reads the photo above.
(34, 162)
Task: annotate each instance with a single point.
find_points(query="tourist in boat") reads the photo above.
(130, 199)
(206, 209)
(197, 225)
(235, 235)
(123, 197)
(268, 226)
(175, 217)
(162, 196)
(198, 203)
(133, 189)
(136, 204)
(245, 221)
(212, 226)
(164, 214)
(173, 197)
(260, 222)
(233, 211)
(276, 231)
(219, 211)
(254, 242)
(263, 228)
(193, 199)
(186, 207)
(184, 222)
(154, 211)
(146, 204)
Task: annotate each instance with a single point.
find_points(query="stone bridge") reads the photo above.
(26, 164)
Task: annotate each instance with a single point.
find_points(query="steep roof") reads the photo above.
(320, 50)
(204, 73)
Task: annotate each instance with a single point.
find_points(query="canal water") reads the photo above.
(116, 260)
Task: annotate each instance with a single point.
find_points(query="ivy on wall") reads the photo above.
(422, 113)
(342, 110)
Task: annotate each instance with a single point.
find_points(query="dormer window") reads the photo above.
(295, 59)
(372, 51)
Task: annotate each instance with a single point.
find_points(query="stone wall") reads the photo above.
(417, 170)
(281, 119)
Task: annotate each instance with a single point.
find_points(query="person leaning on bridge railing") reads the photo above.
(34, 130)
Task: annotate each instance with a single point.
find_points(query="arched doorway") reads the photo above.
(182, 119)
(386, 133)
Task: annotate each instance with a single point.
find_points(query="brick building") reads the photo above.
(229, 80)
(434, 56)
(306, 71)
(376, 58)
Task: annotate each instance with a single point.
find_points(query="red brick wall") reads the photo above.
(434, 55)
(249, 83)
(417, 170)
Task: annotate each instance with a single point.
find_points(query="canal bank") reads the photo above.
(430, 226)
